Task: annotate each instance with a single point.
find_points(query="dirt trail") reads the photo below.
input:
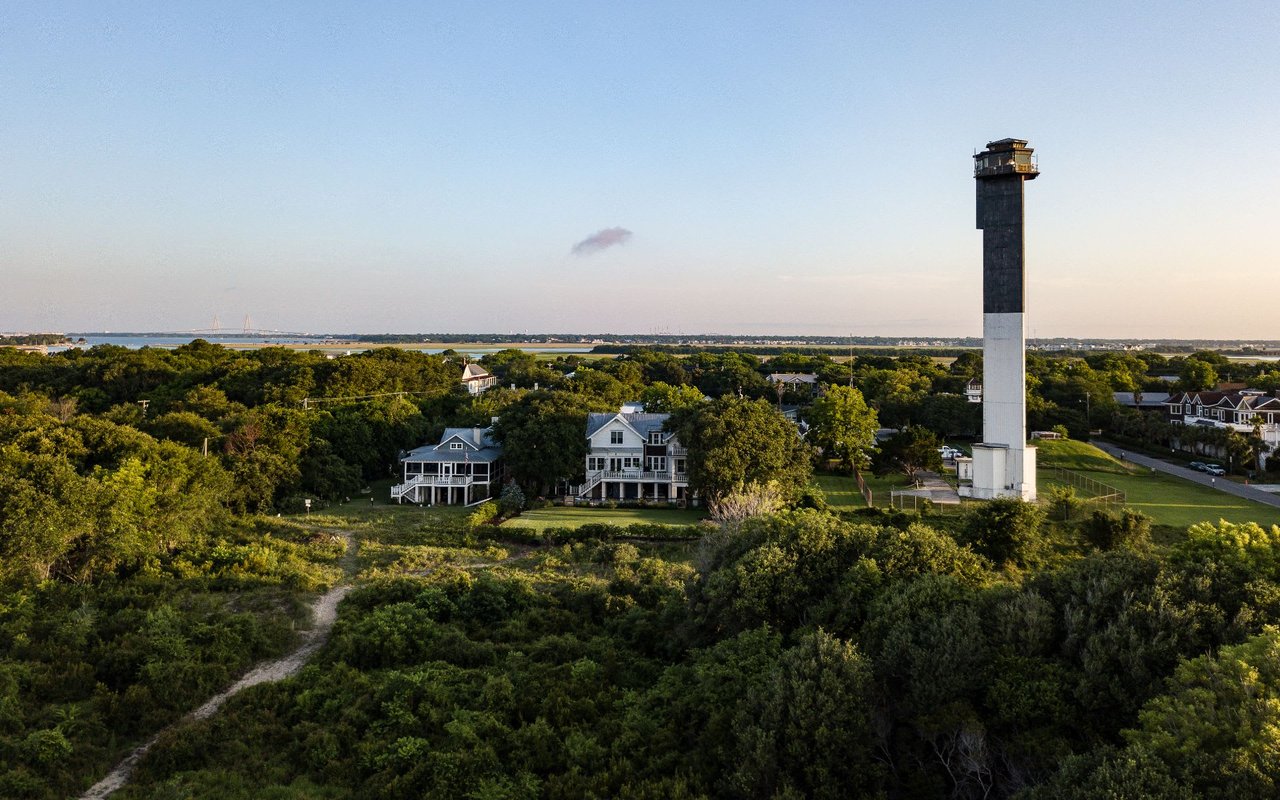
(324, 611)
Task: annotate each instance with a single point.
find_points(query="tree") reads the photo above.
(1218, 728)
(543, 438)
(1197, 376)
(808, 734)
(735, 443)
(843, 425)
(1127, 529)
(663, 398)
(1005, 530)
(950, 415)
(910, 450)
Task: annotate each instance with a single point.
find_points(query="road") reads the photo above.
(1221, 484)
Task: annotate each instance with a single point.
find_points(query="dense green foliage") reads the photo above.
(735, 443)
(88, 670)
(800, 654)
(843, 425)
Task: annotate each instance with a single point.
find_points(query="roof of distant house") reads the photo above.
(642, 424)
(472, 372)
(793, 377)
(478, 444)
(1148, 399)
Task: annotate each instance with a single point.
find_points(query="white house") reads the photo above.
(464, 468)
(798, 382)
(631, 458)
(973, 390)
(477, 379)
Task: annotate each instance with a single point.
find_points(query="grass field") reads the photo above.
(567, 517)
(843, 495)
(1168, 500)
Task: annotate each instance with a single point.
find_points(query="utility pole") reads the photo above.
(144, 404)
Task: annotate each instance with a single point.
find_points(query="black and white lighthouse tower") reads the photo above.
(1003, 465)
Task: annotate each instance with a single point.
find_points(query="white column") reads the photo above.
(1006, 467)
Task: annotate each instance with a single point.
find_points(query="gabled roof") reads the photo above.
(1227, 400)
(640, 424)
(792, 377)
(478, 445)
(474, 372)
(473, 438)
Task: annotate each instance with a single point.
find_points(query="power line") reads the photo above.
(307, 402)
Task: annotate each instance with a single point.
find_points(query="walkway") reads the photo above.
(324, 612)
(1221, 484)
(930, 485)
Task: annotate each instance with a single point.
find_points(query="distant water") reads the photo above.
(170, 342)
(1255, 358)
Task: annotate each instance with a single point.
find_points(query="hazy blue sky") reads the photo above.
(781, 166)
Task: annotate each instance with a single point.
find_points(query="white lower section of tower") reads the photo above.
(1003, 465)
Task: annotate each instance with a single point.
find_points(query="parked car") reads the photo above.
(1214, 469)
(950, 453)
(1198, 466)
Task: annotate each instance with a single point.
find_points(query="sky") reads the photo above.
(673, 167)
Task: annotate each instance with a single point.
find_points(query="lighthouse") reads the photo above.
(1003, 464)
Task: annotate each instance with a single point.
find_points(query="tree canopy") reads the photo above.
(734, 443)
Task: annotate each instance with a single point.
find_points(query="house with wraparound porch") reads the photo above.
(463, 468)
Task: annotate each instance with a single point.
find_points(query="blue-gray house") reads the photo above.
(464, 468)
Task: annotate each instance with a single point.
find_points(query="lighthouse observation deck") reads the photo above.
(1006, 157)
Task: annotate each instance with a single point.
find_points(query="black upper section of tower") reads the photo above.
(1000, 172)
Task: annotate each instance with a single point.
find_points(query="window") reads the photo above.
(631, 463)
(655, 437)
(657, 463)
(595, 464)
(679, 466)
(615, 437)
(455, 445)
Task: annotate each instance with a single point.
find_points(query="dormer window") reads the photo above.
(455, 445)
(655, 437)
(615, 437)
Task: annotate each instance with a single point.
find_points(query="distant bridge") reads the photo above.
(250, 332)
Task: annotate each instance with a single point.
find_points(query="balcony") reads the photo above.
(633, 475)
(1005, 167)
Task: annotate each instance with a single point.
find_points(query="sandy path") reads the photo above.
(324, 611)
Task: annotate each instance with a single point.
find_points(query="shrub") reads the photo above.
(484, 514)
(1123, 530)
(1005, 530)
(512, 501)
(1064, 502)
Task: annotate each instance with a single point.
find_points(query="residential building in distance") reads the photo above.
(464, 468)
(802, 383)
(631, 458)
(973, 390)
(1145, 401)
(477, 379)
(1238, 410)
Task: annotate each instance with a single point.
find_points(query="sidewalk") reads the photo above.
(932, 486)
(1221, 484)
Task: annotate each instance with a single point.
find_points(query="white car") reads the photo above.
(950, 453)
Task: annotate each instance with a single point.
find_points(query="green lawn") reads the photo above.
(1168, 500)
(569, 517)
(843, 495)
(1080, 456)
